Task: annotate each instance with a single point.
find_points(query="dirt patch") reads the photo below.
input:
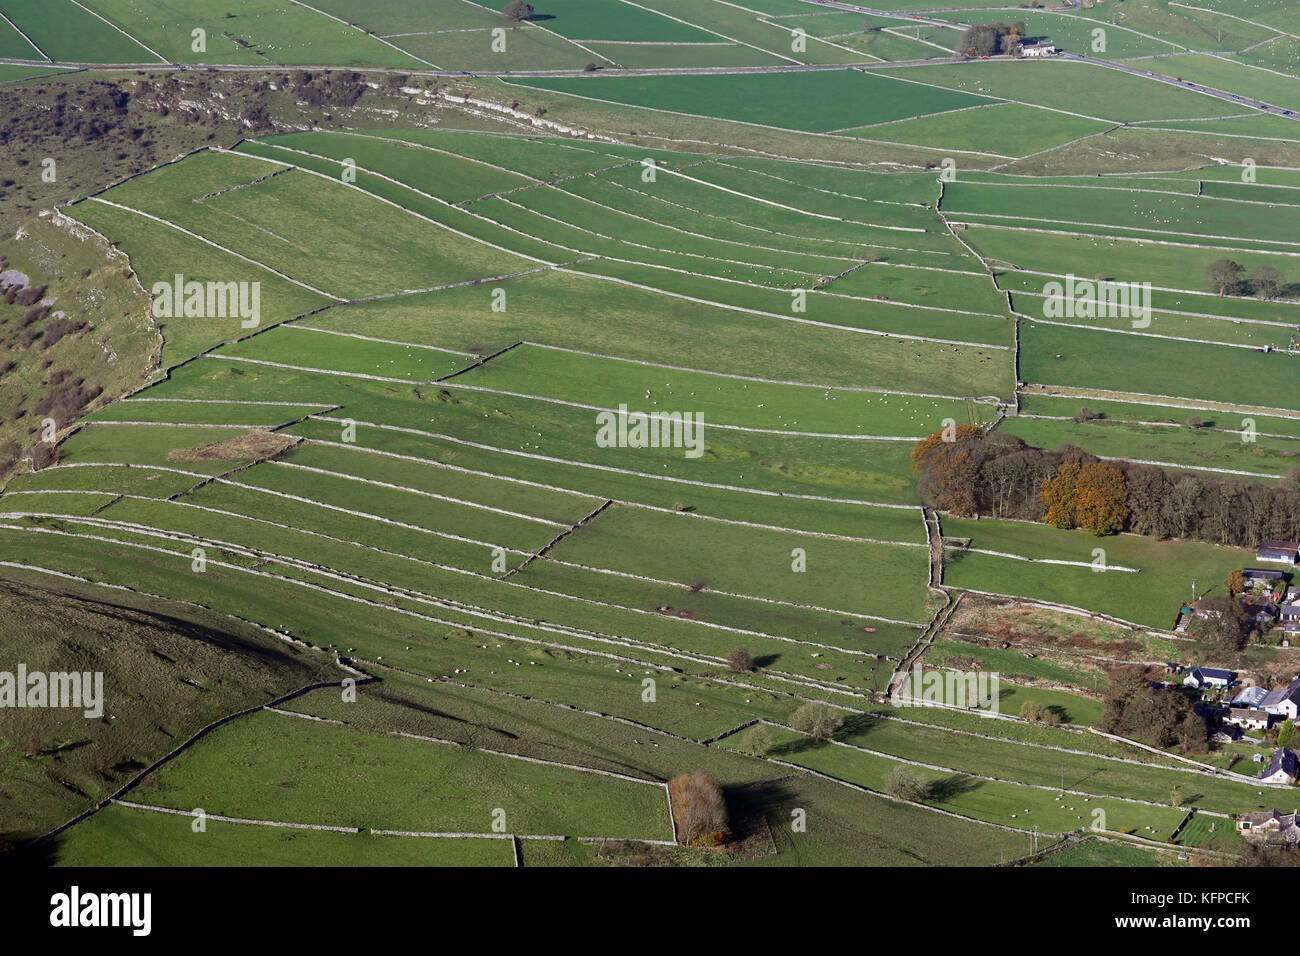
(256, 445)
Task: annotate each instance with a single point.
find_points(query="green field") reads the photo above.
(832, 101)
(484, 255)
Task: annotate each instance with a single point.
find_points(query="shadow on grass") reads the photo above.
(951, 787)
(44, 854)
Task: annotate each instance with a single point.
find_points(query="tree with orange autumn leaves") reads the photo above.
(967, 472)
(948, 475)
(1092, 496)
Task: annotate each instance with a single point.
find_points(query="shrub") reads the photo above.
(517, 10)
(741, 661)
(699, 810)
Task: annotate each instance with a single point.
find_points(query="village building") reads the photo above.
(1282, 767)
(1263, 615)
(1284, 702)
(1270, 827)
(1045, 48)
(1278, 552)
(1203, 677)
(1259, 577)
(1247, 718)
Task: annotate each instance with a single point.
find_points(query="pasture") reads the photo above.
(403, 462)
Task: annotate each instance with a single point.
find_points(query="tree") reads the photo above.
(980, 40)
(1222, 620)
(517, 11)
(1032, 711)
(1058, 494)
(1267, 283)
(1286, 733)
(741, 661)
(816, 720)
(1101, 499)
(1193, 736)
(1223, 275)
(1235, 582)
(758, 740)
(699, 810)
(904, 784)
(1132, 707)
(949, 474)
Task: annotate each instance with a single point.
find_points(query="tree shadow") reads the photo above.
(954, 785)
(801, 744)
(857, 724)
(1059, 711)
(751, 806)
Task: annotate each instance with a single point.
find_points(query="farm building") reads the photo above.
(1282, 767)
(1255, 577)
(1284, 702)
(1249, 696)
(1270, 827)
(1202, 677)
(1045, 48)
(1278, 552)
(1247, 718)
(1288, 615)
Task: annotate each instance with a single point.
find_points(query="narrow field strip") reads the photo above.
(433, 601)
(465, 607)
(297, 326)
(416, 491)
(744, 597)
(379, 198)
(794, 318)
(753, 378)
(738, 428)
(609, 468)
(214, 245)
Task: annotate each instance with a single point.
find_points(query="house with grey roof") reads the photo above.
(1282, 767)
(1270, 827)
(1250, 696)
(1043, 48)
(1288, 617)
(1284, 702)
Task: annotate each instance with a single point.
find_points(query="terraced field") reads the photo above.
(569, 432)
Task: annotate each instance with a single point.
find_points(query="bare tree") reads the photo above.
(904, 784)
(817, 720)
